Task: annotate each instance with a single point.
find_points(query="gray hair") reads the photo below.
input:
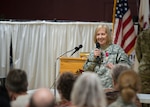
(118, 69)
(88, 91)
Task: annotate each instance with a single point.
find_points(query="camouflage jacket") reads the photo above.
(113, 54)
(119, 103)
(142, 50)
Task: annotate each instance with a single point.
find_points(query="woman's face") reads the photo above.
(102, 37)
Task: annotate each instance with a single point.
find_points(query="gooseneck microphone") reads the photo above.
(76, 49)
(98, 58)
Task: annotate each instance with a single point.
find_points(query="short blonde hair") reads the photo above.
(88, 91)
(108, 31)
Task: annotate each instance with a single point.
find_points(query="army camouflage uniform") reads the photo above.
(119, 103)
(142, 50)
(113, 54)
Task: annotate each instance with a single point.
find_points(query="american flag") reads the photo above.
(124, 33)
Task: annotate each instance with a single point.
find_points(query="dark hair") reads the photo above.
(4, 102)
(65, 84)
(16, 81)
(4, 97)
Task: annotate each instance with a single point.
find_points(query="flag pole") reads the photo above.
(113, 17)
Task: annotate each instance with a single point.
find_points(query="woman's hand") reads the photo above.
(110, 65)
(96, 52)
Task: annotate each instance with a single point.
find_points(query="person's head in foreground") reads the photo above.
(88, 91)
(117, 70)
(129, 84)
(65, 85)
(42, 98)
(16, 83)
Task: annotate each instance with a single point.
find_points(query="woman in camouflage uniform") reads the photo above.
(103, 57)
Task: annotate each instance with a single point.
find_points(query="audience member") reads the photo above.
(117, 70)
(4, 97)
(42, 98)
(102, 59)
(64, 87)
(16, 84)
(128, 85)
(88, 91)
(112, 94)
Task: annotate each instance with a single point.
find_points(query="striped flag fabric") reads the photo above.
(123, 27)
(144, 14)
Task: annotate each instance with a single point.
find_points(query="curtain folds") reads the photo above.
(5, 38)
(36, 45)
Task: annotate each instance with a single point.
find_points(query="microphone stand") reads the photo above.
(55, 83)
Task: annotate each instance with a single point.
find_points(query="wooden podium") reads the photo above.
(71, 64)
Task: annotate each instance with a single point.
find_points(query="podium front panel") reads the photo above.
(71, 64)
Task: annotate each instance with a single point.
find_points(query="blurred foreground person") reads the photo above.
(42, 98)
(113, 93)
(4, 97)
(16, 84)
(64, 86)
(128, 85)
(88, 91)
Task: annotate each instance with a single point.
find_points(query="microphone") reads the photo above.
(76, 49)
(97, 45)
(97, 58)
